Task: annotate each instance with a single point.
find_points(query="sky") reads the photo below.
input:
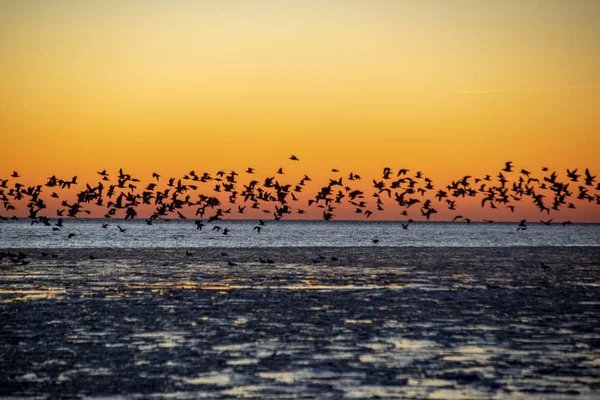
(452, 88)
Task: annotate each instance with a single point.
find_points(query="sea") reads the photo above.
(299, 310)
(89, 233)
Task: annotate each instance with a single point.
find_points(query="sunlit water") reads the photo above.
(89, 233)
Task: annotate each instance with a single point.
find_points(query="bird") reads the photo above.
(199, 224)
(122, 230)
(294, 158)
(589, 179)
(573, 175)
(546, 222)
(257, 229)
(70, 235)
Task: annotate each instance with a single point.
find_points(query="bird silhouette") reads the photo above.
(124, 196)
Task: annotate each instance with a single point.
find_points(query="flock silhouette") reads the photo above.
(211, 198)
(215, 197)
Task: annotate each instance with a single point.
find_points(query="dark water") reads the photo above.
(317, 322)
(89, 233)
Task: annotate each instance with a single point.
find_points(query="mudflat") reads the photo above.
(301, 322)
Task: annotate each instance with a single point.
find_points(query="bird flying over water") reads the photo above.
(121, 196)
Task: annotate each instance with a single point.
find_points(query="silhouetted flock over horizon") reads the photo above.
(122, 196)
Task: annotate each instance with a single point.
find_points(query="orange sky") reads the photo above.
(447, 87)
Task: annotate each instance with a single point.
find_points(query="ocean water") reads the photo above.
(88, 233)
(310, 309)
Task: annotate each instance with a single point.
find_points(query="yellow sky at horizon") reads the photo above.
(180, 85)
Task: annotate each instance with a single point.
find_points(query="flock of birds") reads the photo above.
(123, 195)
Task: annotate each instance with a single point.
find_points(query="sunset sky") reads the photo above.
(449, 87)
